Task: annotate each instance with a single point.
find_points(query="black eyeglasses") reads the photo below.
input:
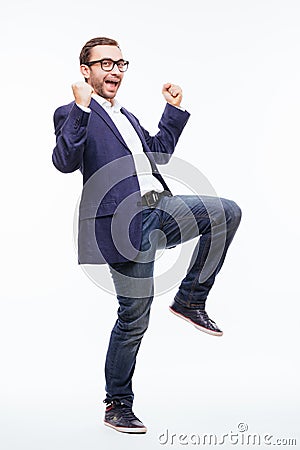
(108, 64)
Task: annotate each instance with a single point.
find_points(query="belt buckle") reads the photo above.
(151, 198)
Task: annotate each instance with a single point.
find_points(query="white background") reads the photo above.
(238, 63)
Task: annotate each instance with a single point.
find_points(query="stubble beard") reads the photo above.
(99, 88)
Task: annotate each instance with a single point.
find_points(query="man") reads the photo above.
(127, 212)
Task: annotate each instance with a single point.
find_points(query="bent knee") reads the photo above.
(232, 211)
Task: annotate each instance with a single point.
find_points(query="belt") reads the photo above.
(151, 198)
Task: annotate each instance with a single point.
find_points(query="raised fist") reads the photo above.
(172, 93)
(82, 93)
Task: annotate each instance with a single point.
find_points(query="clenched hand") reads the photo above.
(82, 92)
(172, 93)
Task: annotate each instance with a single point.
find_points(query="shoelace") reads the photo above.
(204, 315)
(126, 410)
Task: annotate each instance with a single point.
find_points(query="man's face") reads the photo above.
(104, 83)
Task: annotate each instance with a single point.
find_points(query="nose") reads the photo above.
(115, 69)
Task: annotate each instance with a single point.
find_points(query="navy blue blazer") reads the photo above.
(110, 220)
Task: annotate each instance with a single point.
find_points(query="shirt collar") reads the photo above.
(116, 107)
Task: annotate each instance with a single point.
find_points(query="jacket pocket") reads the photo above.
(93, 210)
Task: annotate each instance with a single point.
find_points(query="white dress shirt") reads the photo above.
(147, 180)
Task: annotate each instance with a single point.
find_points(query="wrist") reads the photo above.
(82, 103)
(176, 105)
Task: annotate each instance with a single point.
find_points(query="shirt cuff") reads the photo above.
(84, 108)
(178, 107)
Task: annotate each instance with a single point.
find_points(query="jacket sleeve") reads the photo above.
(70, 123)
(171, 125)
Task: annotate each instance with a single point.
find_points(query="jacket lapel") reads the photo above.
(137, 128)
(105, 116)
(135, 125)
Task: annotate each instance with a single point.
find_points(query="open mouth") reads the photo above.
(111, 83)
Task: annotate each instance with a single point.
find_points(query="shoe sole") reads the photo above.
(127, 430)
(205, 330)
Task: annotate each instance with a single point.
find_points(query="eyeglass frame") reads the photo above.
(115, 63)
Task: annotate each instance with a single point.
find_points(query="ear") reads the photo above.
(85, 70)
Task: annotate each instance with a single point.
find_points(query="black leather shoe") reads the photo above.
(196, 317)
(121, 418)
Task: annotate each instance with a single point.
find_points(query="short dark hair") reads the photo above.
(86, 49)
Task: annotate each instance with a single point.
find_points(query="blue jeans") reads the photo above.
(175, 220)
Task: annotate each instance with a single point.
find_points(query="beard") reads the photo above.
(106, 88)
